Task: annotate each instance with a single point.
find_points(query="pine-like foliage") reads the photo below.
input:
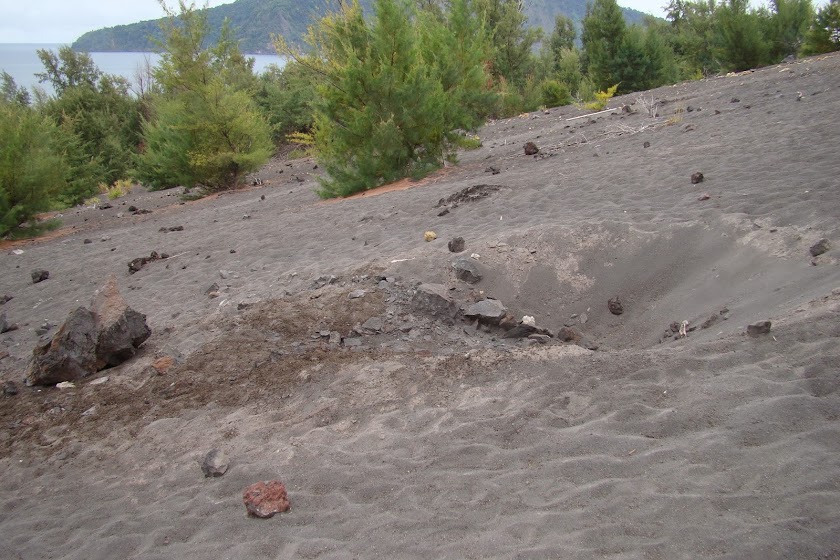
(824, 33)
(32, 170)
(205, 129)
(381, 112)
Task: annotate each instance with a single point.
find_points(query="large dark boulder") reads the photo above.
(90, 341)
(121, 329)
(69, 355)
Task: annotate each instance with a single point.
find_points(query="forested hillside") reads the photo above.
(255, 21)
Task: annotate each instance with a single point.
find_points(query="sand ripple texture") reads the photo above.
(434, 439)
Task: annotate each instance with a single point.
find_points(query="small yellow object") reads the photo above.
(430, 236)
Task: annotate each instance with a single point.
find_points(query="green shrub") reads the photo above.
(32, 171)
(205, 129)
(555, 94)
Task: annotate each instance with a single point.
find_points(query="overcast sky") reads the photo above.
(63, 21)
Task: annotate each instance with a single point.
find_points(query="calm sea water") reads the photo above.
(22, 62)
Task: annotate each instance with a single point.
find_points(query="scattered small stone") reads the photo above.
(374, 324)
(433, 299)
(10, 389)
(489, 311)
(467, 271)
(493, 170)
(696, 178)
(212, 291)
(264, 499)
(232, 251)
(711, 321)
(356, 294)
(351, 342)
(429, 236)
(529, 320)
(456, 244)
(335, 337)
(215, 463)
(583, 318)
(136, 264)
(646, 145)
(105, 206)
(39, 275)
(540, 338)
(246, 216)
(43, 329)
(132, 208)
(703, 197)
(262, 197)
(5, 298)
(758, 329)
(820, 247)
(615, 306)
(568, 334)
(520, 331)
(87, 241)
(531, 149)
(734, 100)
(65, 385)
(4, 324)
(323, 280)
(443, 212)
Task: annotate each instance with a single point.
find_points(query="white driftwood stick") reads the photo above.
(591, 114)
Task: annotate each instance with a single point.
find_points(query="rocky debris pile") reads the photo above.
(90, 340)
(136, 264)
(264, 499)
(681, 329)
(468, 194)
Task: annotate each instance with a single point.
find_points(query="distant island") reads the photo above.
(255, 21)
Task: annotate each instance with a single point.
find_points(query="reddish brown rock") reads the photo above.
(264, 499)
(531, 149)
(163, 364)
(615, 306)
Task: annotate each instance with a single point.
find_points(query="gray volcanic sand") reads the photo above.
(425, 437)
